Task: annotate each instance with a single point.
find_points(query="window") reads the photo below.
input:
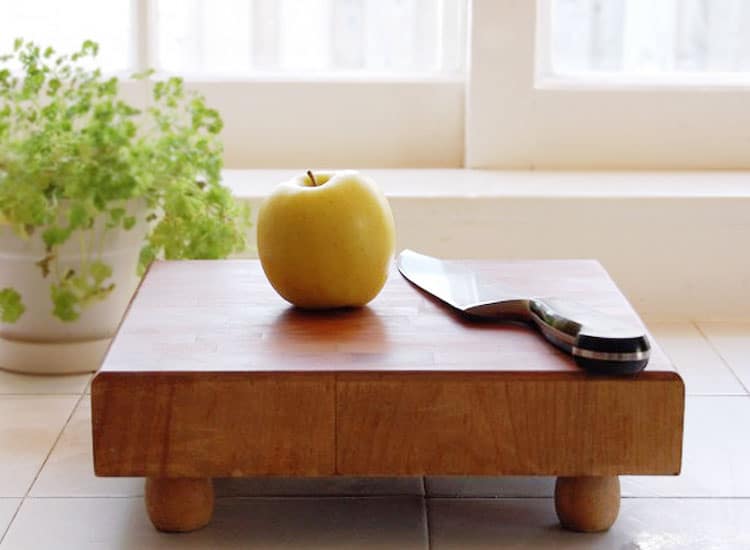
(299, 83)
(609, 84)
(644, 39)
(65, 25)
(308, 37)
(247, 38)
(383, 83)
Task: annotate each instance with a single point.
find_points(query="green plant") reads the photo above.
(73, 154)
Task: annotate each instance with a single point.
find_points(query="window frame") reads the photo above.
(517, 117)
(335, 123)
(505, 112)
(296, 122)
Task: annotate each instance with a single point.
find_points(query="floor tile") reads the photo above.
(69, 471)
(8, 507)
(732, 342)
(716, 452)
(29, 426)
(121, 523)
(13, 383)
(702, 369)
(322, 486)
(654, 524)
(456, 486)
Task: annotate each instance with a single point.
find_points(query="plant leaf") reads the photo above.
(11, 305)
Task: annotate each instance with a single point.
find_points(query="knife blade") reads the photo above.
(596, 341)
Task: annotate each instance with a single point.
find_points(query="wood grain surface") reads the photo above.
(224, 316)
(212, 374)
(171, 425)
(506, 424)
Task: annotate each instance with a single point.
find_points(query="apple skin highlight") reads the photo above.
(326, 243)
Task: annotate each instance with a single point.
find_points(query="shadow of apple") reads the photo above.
(344, 330)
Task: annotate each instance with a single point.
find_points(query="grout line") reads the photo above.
(13, 517)
(44, 463)
(551, 497)
(70, 394)
(668, 355)
(379, 497)
(665, 497)
(426, 508)
(323, 497)
(688, 392)
(425, 505)
(726, 395)
(54, 443)
(719, 355)
(241, 497)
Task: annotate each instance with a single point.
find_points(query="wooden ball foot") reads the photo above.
(181, 504)
(587, 504)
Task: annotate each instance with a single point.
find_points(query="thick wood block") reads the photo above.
(508, 424)
(213, 425)
(212, 374)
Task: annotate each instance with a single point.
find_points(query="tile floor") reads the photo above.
(49, 497)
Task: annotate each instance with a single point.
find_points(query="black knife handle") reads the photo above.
(597, 342)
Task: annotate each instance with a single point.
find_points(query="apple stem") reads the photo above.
(312, 178)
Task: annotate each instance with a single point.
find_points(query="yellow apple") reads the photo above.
(326, 240)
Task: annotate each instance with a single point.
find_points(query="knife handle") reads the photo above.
(597, 342)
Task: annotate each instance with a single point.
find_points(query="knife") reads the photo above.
(597, 342)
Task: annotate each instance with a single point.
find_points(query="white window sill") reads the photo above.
(461, 183)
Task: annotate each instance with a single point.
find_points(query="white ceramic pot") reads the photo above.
(39, 342)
